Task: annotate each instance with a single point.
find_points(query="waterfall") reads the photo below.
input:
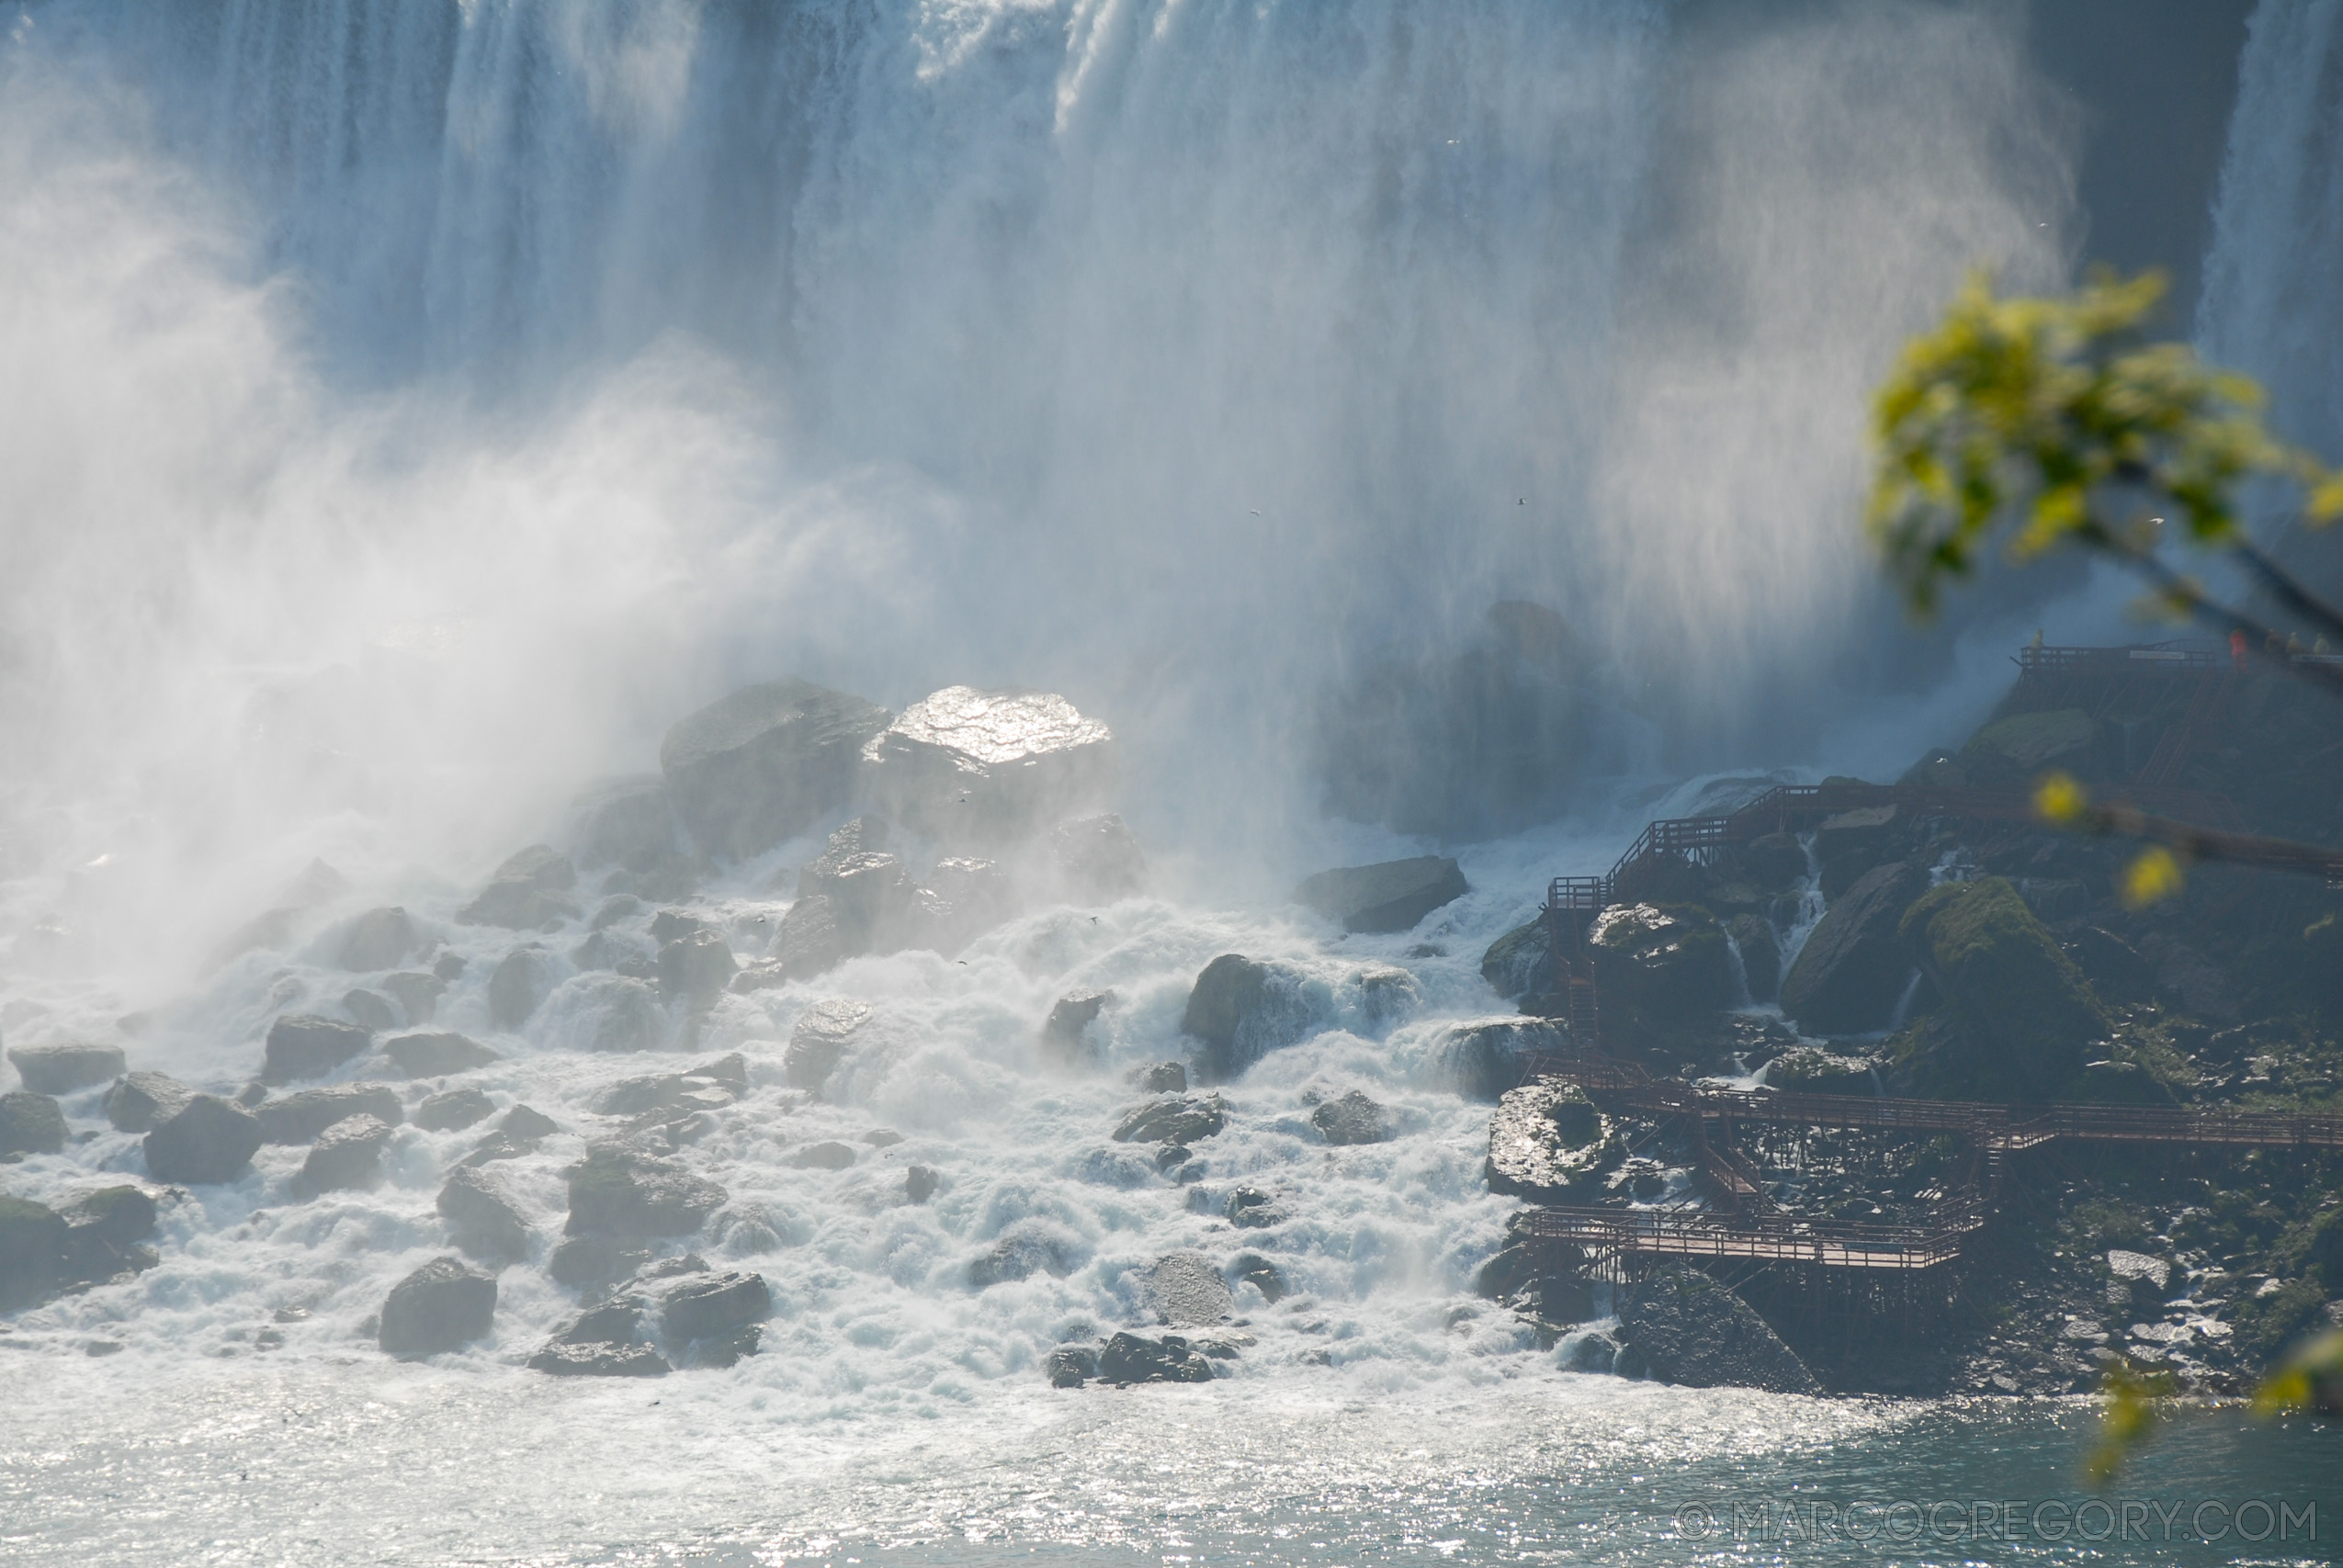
(2270, 305)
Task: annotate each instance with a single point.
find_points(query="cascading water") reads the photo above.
(415, 407)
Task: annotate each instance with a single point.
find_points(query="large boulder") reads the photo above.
(298, 1118)
(1481, 1058)
(485, 1220)
(303, 1045)
(529, 890)
(454, 1110)
(1686, 1329)
(348, 1155)
(1660, 965)
(1852, 842)
(618, 1193)
(715, 1305)
(30, 1124)
(416, 992)
(61, 1070)
(32, 1245)
(1184, 1291)
(1389, 896)
(1355, 1119)
(695, 968)
(1098, 859)
(522, 980)
(1853, 967)
(1753, 939)
(1520, 963)
(1132, 1358)
(1173, 1119)
(207, 1140)
(599, 1358)
(1548, 1142)
(963, 766)
(1063, 1034)
(1241, 1010)
(441, 1307)
(2011, 753)
(808, 943)
(820, 1040)
(433, 1054)
(102, 1233)
(2020, 1005)
(140, 1099)
(1031, 1248)
(1774, 861)
(764, 763)
(379, 939)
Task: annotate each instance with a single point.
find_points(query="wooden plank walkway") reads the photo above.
(1761, 1239)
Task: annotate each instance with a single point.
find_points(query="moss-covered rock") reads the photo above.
(2022, 1011)
(2012, 753)
(1809, 1069)
(1548, 1142)
(30, 1123)
(1846, 978)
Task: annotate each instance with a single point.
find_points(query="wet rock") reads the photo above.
(696, 1090)
(102, 1233)
(1161, 1078)
(298, 1118)
(822, 1157)
(1809, 1069)
(624, 822)
(1062, 1034)
(140, 1099)
(1261, 1274)
(882, 1137)
(919, 1184)
(1391, 897)
(820, 1040)
(696, 968)
(32, 1245)
(1547, 1141)
(379, 939)
(1774, 861)
(1761, 955)
(30, 1124)
(1660, 965)
(870, 892)
(764, 763)
(370, 1011)
(587, 1262)
(529, 890)
(1131, 1359)
(1520, 963)
(481, 1215)
(965, 896)
(618, 1193)
(1848, 977)
(2115, 969)
(1388, 995)
(522, 980)
(1175, 1119)
(965, 767)
(2012, 754)
(436, 1054)
(62, 1069)
(2054, 900)
(1355, 1119)
(1023, 1253)
(599, 1358)
(1242, 1010)
(1098, 860)
(524, 1121)
(1852, 842)
(1688, 1329)
(207, 1140)
(348, 1155)
(2019, 1004)
(1069, 1366)
(806, 945)
(715, 1305)
(416, 993)
(1184, 1291)
(303, 1045)
(441, 1307)
(1481, 1058)
(1249, 1208)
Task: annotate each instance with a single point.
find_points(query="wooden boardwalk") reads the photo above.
(1748, 1227)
